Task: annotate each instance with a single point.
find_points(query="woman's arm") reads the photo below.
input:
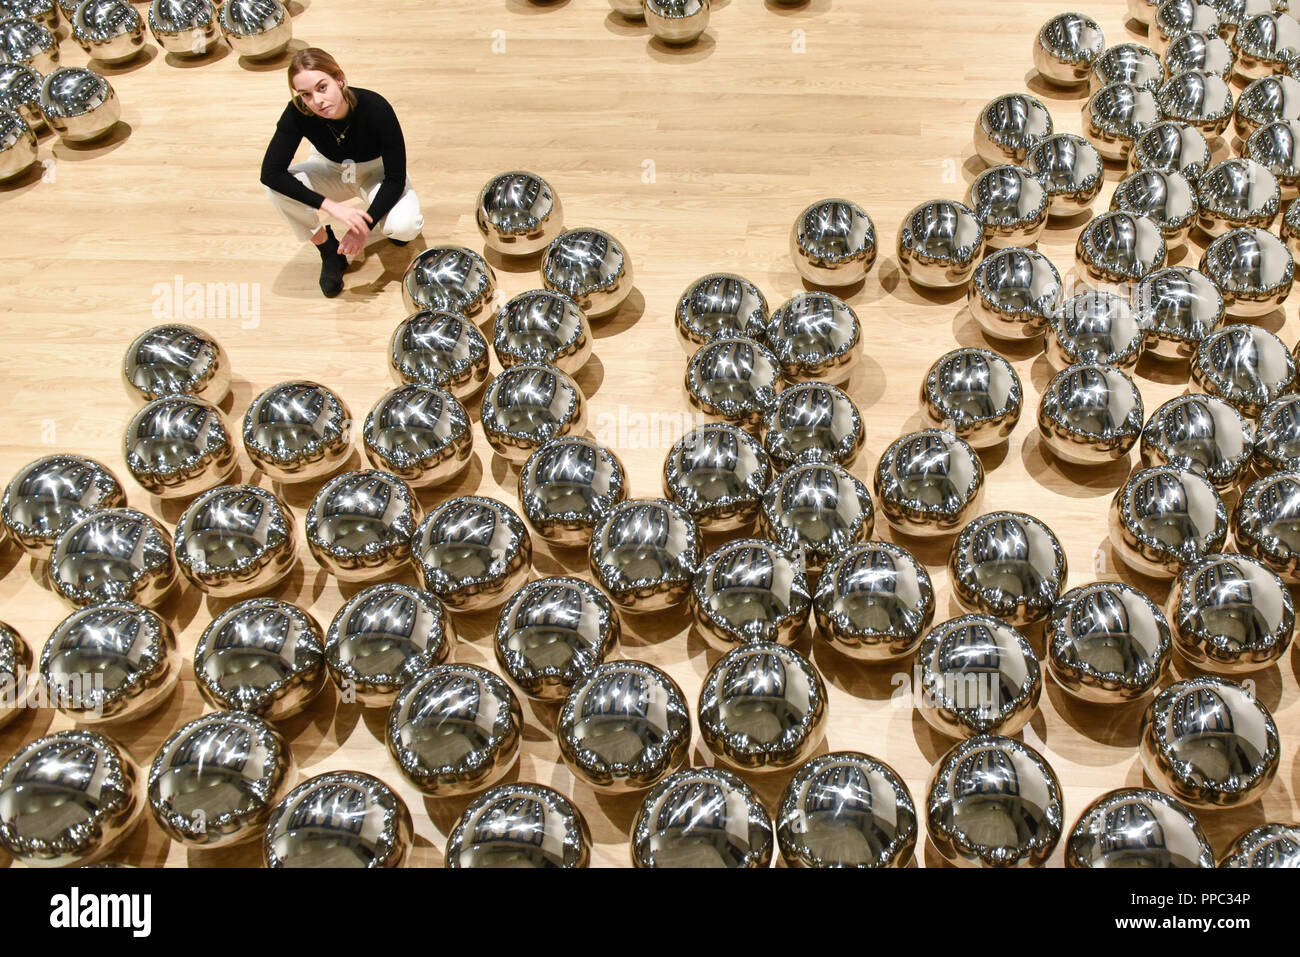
(275, 164)
(393, 153)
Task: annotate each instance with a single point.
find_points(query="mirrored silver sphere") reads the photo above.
(677, 21)
(29, 43)
(720, 305)
(702, 817)
(1012, 291)
(1205, 51)
(589, 266)
(111, 31)
(631, 9)
(17, 144)
(1233, 13)
(813, 422)
(439, 348)
(526, 406)
(215, 779)
(1094, 327)
(1120, 247)
(454, 729)
(1116, 115)
(567, 485)
(257, 29)
(15, 665)
(383, 638)
(339, 819)
(176, 359)
(178, 446)
(520, 825)
(815, 336)
(750, 589)
(1009, 127)
(552, 633)
(184, 27)
(1269, 845)
(733, 379)
(1276, 147)
(1012, 205)
(1235, 193)
(1210, 743)
(1163, 519)
(298, 431)
(20, 92)
(624, 727)
(1066, 47)
(1178, 307)
(1069, 167)
(263, 656)
(360, 523)
(68, 799)
(1140, 828)
(1173, 147)
(1198, 98)
(472, 552)
(1252, 268)
(1166, 198)
(1090, 414)
(929, 483)
(718, 473)
(48, 496)
(1231, 614)
(994, 802)
(1174, 18)
(1290, 229)
(235, 541)
(113, 554)
(518, 213)
(762, 707)
(833, 243)
(1267, 100)
(1127, 63)
(939, 243)
(874, 602)
(973, 393)
(1202, 434)
(1266, 524)
(817, 510)
(449, 279)
(1266, 43)
(542, 326)
(1009, 565)
(1246, 366)
(645, 553)
(1277, 436)
(419, 433)
(44, 12)
(1107, 642)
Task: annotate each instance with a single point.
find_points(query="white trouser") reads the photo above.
(341, 182)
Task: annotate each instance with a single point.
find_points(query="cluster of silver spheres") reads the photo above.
(675, 22)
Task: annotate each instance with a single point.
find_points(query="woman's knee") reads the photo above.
(404, 225)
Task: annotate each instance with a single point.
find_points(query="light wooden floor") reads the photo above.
(697, 160)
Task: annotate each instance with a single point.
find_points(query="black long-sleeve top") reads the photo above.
(369, 131)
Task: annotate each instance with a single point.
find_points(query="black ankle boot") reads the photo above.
(398, 242)
(332, 265)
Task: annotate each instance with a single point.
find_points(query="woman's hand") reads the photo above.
(357, 221)
(354, 241)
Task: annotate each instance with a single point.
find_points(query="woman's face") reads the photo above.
(321, 93)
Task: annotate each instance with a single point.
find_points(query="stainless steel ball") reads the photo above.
(720, 305)
(442, 349)
(589, 266)
(542, 326)
(1127, 63)
(1094, 327)
(973, 393)
(17, 144)
(360, 523)
(1121, 247)
(1277, 436)
(677, 21)
(526, 406)
(1066, 47)
(762, 707)
(631, 9)
(567, 486)
(110, 31)
(1290, 229)
(263, 656)
(184, 27)
(113, 554)
(520, 825)
(1069, 167)
(339, 819)
(68, 799)
(1200, 433)
(939, 243)
(718, 473)
(702, 817)
(29, 43)
(977, 675)
(874, 602)
(472, 552)
(15, 665)
(1163, 519)
(257, 29)
(449, 279)
(1205, 51)
(178, 446)
(815, 336)
(176, 359)
(1231, 614)
(1009, 127)
(20, 92)
(1234, 13)
(645, 553)
(624, 727)
(552, 633)
(994, 802)
(1266, 524)
(1011, 203)
(298, 431)
(215, 779)
(48, 496)
(733, 379)
(1175, 18)
(748, 590)
(1011, 293)
(1139, 828)
(1252, 268)
(1090, 414)
(833, 243)
(1198, 98)
(846, 809)
(113, 661)
(929, 483)
(1269, 845)
(1209, 743)
(1235, 193)
(420, 434)
(813, 422)
(1167, 198)
(1108, 643)
(1178, 307)
(1276, 147)
(1267, 100)
(1173, 147)
(518, 213)
(235, 541)
(1266, 43)
(454, 729)
(44, 12)
(1116, 115)
(1009, 565)
(382, 639)
(817, 510)
(1246, 366)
